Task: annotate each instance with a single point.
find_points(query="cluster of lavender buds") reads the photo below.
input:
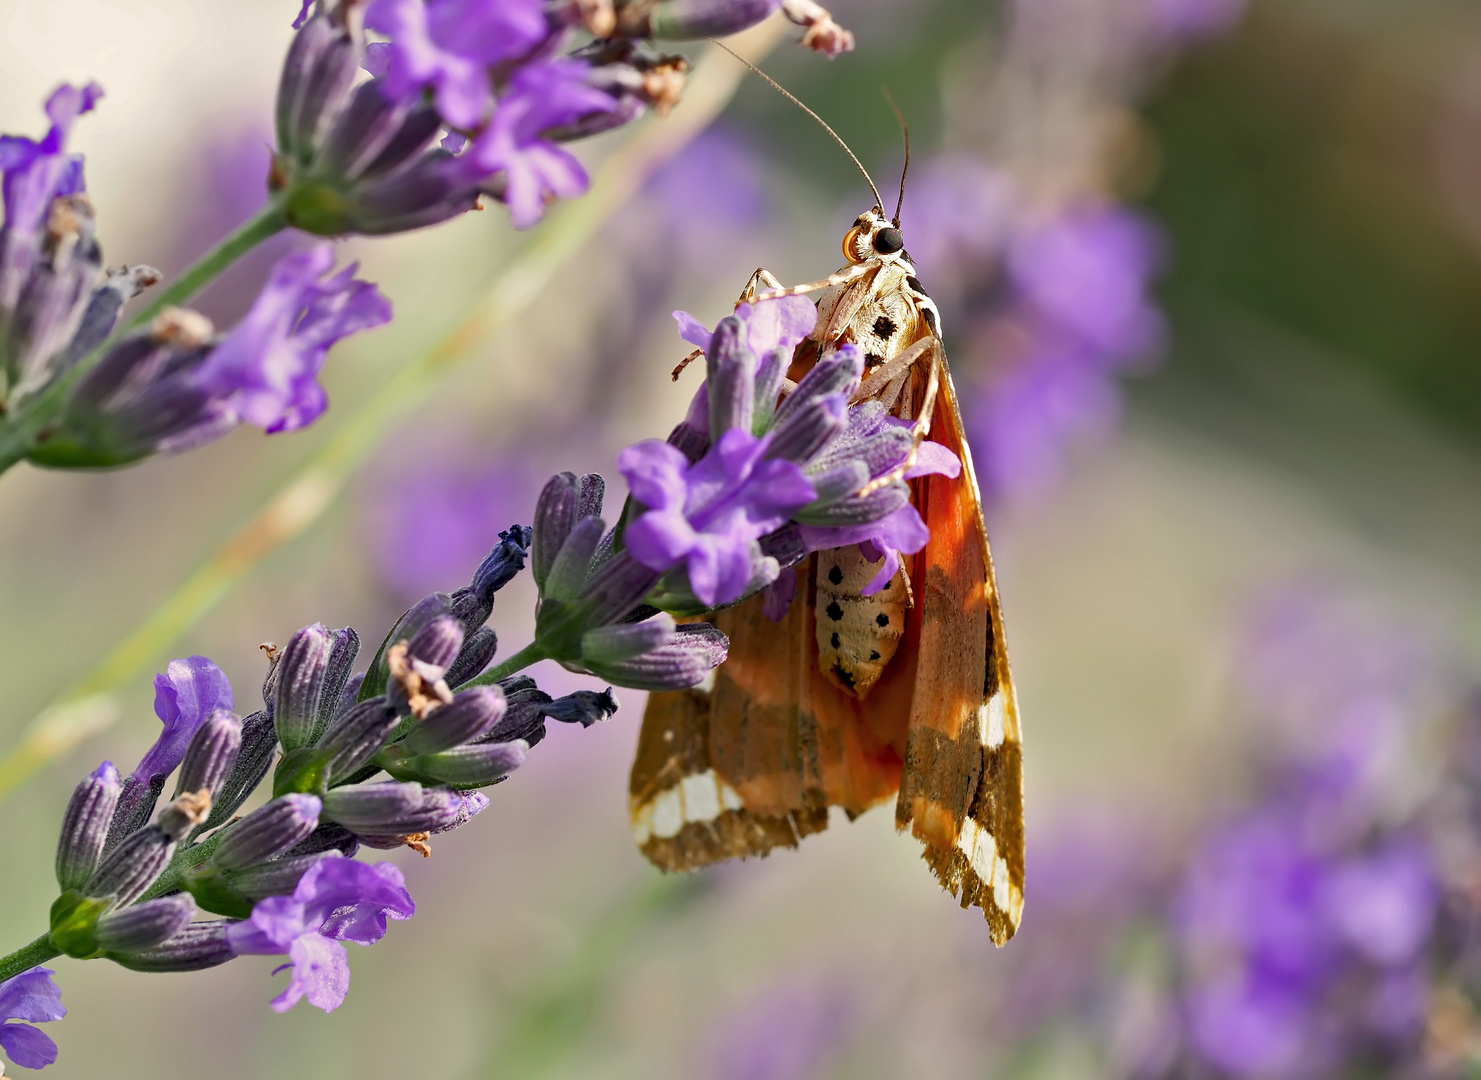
(391, 115)
(760, 472)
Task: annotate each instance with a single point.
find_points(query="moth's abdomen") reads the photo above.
(857, 635)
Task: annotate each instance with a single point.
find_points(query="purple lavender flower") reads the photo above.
(336, 900)
(30, 996)
(35, 175)
(536, 170)
(268, 366)
(1186, 21)
(711, 513)
(186, 693)
(449, 47)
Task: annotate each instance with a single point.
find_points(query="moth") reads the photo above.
(850, 700)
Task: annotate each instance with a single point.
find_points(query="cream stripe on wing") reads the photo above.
(696, 798)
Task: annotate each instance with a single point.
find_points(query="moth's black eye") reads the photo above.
(888, 241)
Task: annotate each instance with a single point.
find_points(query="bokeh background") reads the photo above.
(1211, 283)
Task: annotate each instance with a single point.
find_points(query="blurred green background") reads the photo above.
(1317, 175)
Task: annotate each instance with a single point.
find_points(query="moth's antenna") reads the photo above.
(900, 116)
(788, 95)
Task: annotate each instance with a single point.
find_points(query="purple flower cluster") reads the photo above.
(474, 98)
(284, 875)
(175, 384)
(759, 473)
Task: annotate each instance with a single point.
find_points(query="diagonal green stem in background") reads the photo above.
(92, 704)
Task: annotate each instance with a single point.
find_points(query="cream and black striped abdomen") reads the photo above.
(857, 634)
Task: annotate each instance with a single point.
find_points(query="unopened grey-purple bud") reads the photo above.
(212, 754)
(199, 945)
(468, 716)
(142, 926)
(85, 826)
(268, 832)
(300, 677)
(134, 865)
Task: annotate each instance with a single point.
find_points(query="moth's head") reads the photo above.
(873, 237)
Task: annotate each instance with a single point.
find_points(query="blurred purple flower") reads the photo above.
(36, 173)
(267, 367)
(540, 97)
(714, 184)
(432, 522)
(790, 1032)
(337, 900)
(1187, 21)
(30, 996)
(711, 513)
(450, 45)
(1087, 273)
(186, 693)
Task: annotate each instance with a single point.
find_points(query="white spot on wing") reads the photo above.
(1000, 887)
(697, 797)
(992, 721)
(668, 813)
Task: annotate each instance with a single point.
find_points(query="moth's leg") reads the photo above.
(763, 281)
(891, 370)
(843, 277)
(922, 427)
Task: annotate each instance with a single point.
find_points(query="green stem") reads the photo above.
(29, 424)
(267, 224)
(28, 956)
(93, 704)
(530, 654)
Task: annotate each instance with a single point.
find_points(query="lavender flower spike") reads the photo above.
(336, 900)
(268, 366)
(30, 997)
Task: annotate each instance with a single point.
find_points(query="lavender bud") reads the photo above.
(438, 643)
(199, 945)
(573, 562)
(132, 867)
(301, 672)
(135, 807)
(259, 741)
(358, 735)
(697, 648)
(692, 20)
(593, 493)
(376, 134)
(342, 655)
(470, 714)
(584, 707)
(277, 878)
(51, 304)
(351, 693)
(855, 509)
(731, 378)
(807, 430)
(321, 66)
(267, 832)
(327, 837)
(615, 588)
(623, 641)
(555, 514)
(478, 652)
(837, 373)
(474, 803)
(470, 766)
(212, 754)
(387, 809)
(504, 562)
(142, 926)
(524, 716)
(85, 826)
